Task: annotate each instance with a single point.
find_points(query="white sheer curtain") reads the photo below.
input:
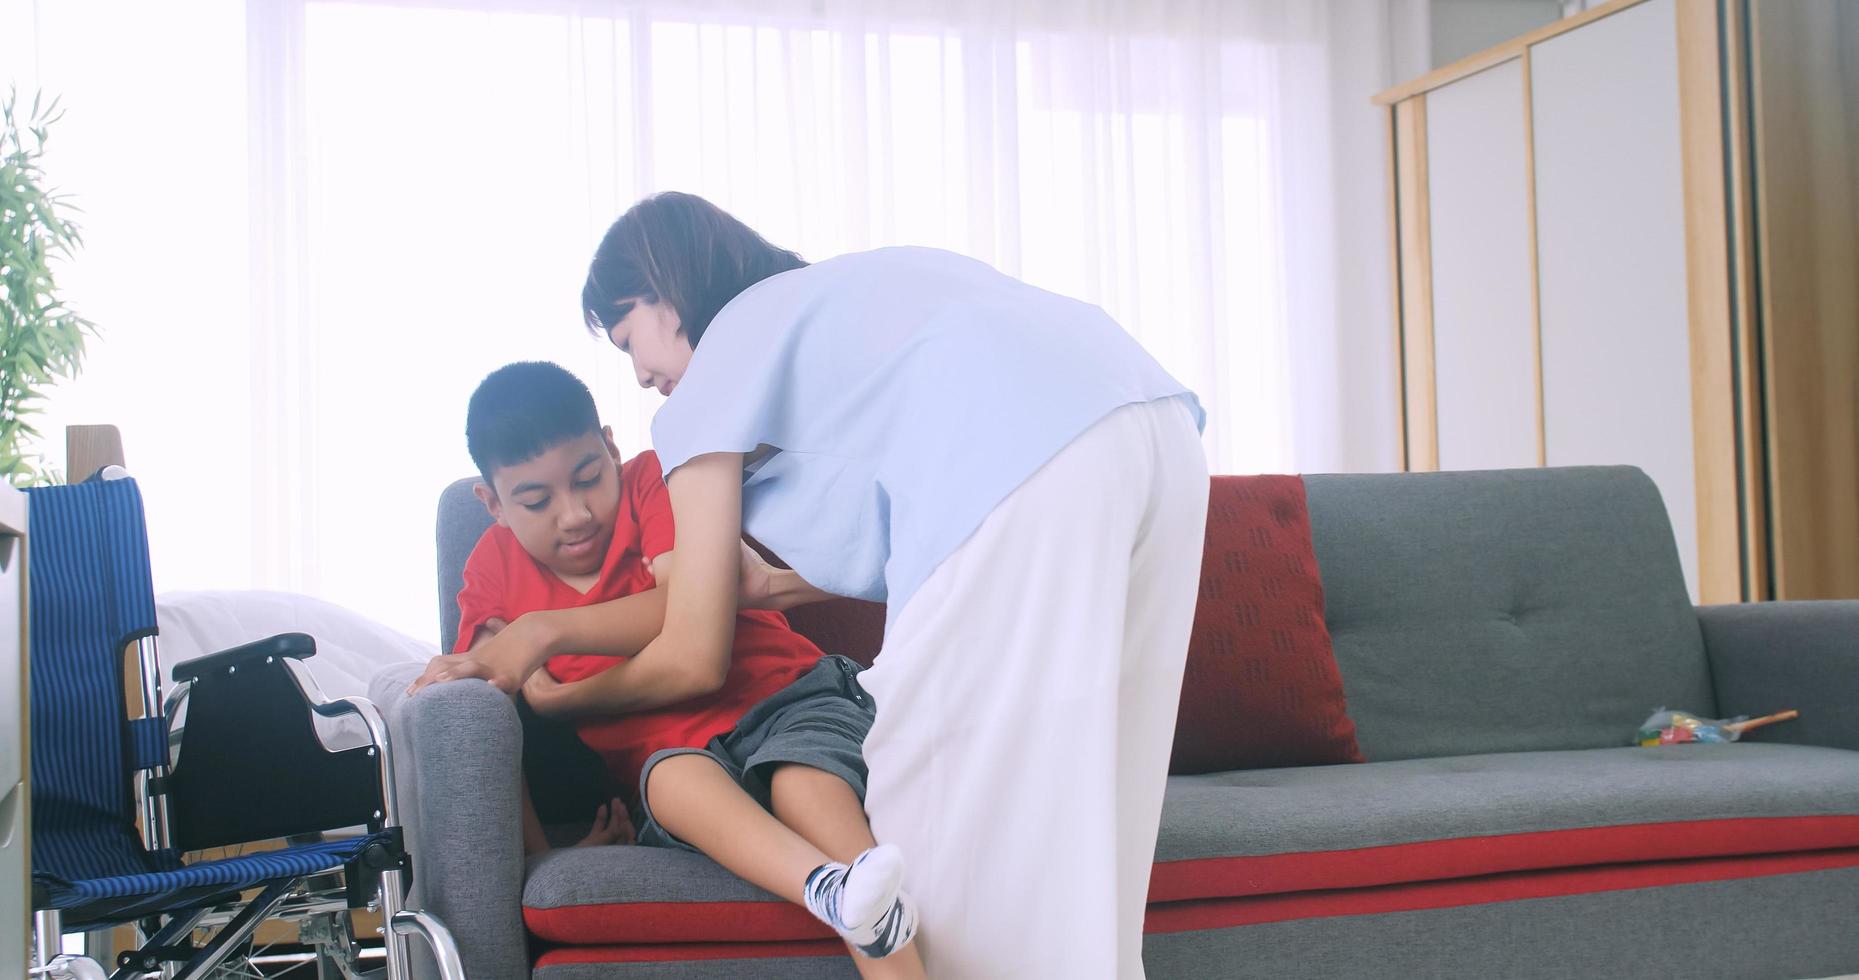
(312, 226)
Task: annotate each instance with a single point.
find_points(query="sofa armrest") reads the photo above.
(1772, 656)
(457, 755)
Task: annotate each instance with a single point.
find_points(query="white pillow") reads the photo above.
(350, 647)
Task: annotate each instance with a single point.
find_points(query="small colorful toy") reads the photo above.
(1677, 727)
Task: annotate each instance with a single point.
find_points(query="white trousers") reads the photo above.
(1026, 701)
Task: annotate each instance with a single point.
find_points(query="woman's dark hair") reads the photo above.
(679, 249)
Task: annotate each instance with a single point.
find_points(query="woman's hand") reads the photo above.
(757, 589)
(505, 658)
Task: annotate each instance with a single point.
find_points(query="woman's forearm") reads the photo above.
(617, 628)
(635, 684)
(695, 614)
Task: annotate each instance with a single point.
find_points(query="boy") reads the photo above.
(782, 732)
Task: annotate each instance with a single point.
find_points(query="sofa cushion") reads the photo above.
(633, 894)
(1504, 611)
(1291, 830)
(1261, 686)
(1317, 828)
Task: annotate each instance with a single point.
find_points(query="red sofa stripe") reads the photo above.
(676, 922)
(659, 952)
(1230, 912)
(1466, 857)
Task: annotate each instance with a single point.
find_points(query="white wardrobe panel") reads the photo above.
(1483, 341)
(1611, 254)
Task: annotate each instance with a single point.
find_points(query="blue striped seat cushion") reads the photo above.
(231, 874)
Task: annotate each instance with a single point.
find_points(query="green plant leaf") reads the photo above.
(41, 339)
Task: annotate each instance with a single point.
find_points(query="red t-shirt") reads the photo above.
(502, 581)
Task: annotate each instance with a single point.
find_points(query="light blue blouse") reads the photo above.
(906, 392)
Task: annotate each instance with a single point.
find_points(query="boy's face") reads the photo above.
(561, 505)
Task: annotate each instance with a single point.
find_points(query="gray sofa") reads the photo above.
(1500, 636)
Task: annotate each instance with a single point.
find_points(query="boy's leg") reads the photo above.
(612, 825)
(695, 799)
(534, 841)
(820, 807)
(825, 810)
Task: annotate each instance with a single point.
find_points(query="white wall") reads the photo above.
(19, 61)
(1359, 432)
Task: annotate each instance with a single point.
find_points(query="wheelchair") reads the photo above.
(313, 832)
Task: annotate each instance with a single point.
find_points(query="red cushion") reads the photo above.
(1262, 689)
(599, 923)
(848, 627)
(677, 952)
(1262, 686)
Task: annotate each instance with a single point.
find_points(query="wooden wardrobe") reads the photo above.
(1632, 236)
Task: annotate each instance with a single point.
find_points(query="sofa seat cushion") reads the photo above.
(1281, 831)
(1262, 832)
(632, 894)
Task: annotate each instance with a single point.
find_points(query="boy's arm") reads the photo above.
(690, 657)
(611, 691)
(616, 628)
(619, 628)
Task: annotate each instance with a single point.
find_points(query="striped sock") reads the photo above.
(864, 903)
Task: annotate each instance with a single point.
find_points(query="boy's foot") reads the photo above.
(612, 825)
(865, 903)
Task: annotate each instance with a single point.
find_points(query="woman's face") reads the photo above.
(652, 336)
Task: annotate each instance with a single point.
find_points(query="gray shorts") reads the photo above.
(820, 720)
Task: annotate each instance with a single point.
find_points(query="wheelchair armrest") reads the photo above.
(250, 765)
(297, 646)
(377, 735)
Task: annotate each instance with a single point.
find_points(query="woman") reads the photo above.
(1012, 473)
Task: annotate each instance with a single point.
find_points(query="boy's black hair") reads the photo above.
(523, 410)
